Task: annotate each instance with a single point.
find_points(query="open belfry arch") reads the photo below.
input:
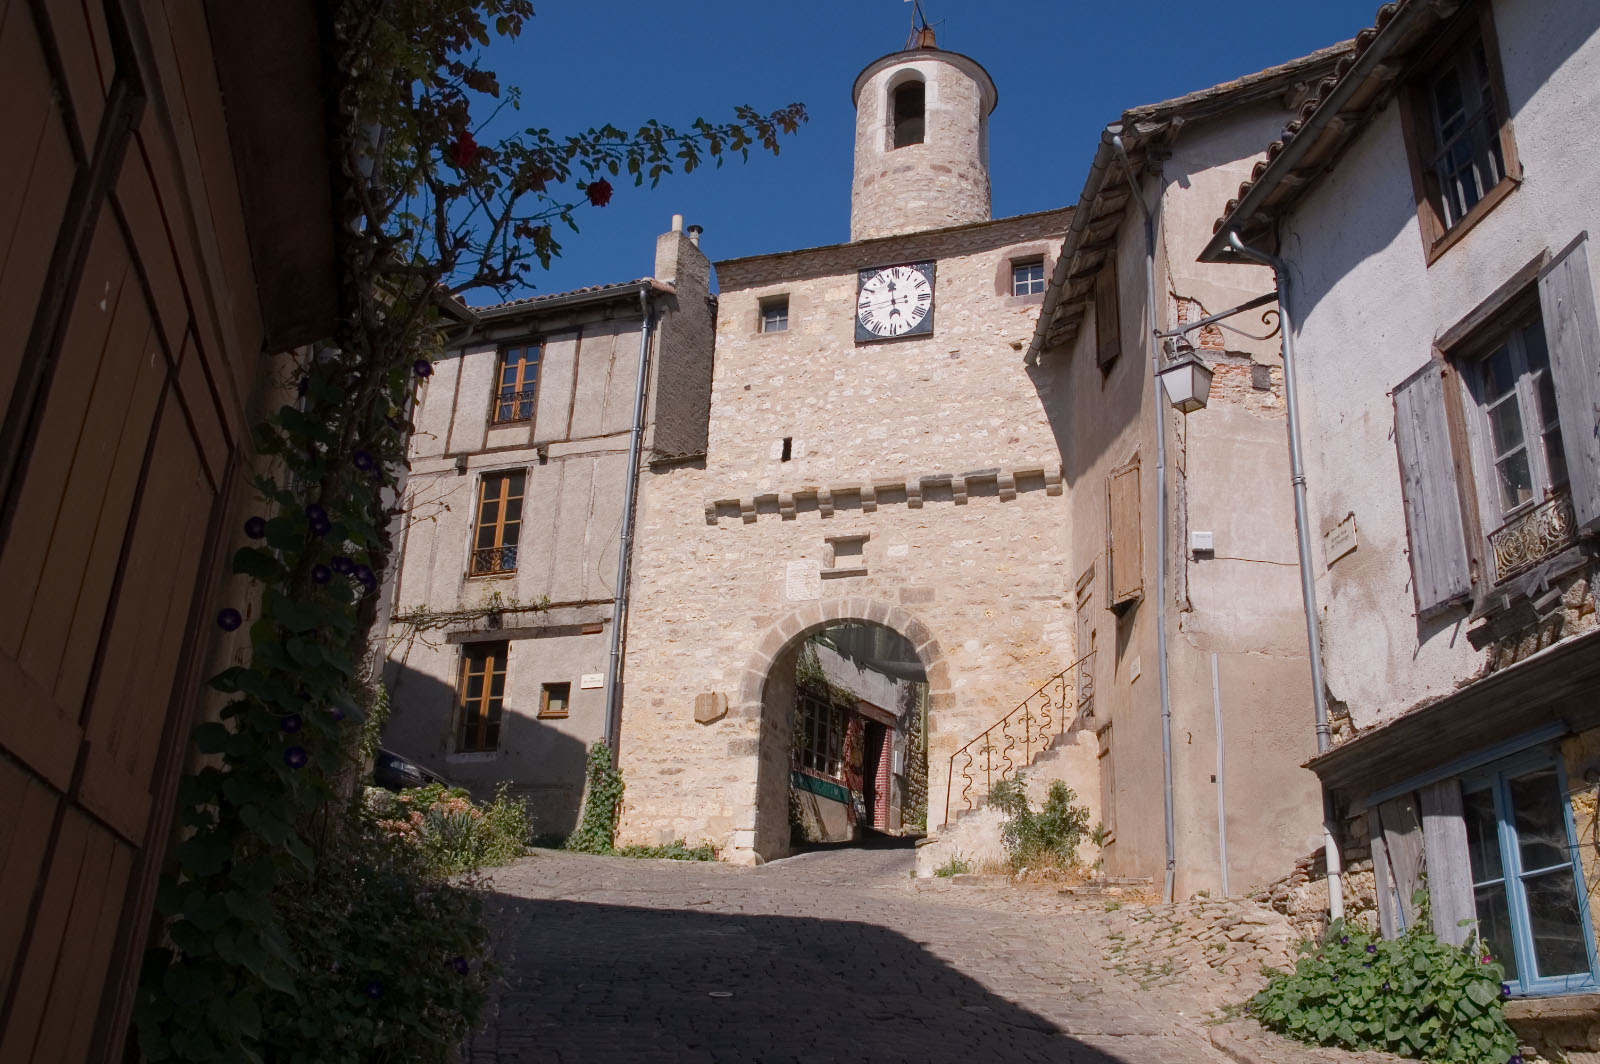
(878, 452)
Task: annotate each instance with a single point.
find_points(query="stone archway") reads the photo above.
(767, 695)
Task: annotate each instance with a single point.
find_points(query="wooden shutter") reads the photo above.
(1388, 897)
(1444, 837)
(1125, 547)
(1440, 572)
(1402, 838)
(1107, 320)
(1566, 299)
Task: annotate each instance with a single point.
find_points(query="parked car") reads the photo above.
(396, 773)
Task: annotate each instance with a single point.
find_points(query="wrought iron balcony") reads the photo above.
(490, 560)
(514, 406)
(1533, 536)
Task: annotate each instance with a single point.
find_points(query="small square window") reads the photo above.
(775, 314)
(554, 698)
(1027, 278)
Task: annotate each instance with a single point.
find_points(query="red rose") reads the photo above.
(599, 192)
(464, 150)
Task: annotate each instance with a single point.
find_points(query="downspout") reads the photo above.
(1308, 587)
(1168, 882)
(619, 610)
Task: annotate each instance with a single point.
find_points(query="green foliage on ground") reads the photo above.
(956, 866)
(1046, 838)
(676, 850)
(448, 830)
(602, 804)
(1413, 995)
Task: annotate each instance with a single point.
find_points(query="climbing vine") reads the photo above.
(289, 929)
(602, 803)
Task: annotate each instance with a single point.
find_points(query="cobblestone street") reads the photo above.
(829, 956)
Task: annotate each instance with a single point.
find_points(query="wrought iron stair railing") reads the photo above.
(1012, 743)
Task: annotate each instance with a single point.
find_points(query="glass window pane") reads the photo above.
(1483, 835)
(1494, 925)
(1541, 825)
(1505, 425)
(1558, 946)
(1499, 374)
(1516, 483)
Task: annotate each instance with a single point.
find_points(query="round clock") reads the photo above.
(895, 301)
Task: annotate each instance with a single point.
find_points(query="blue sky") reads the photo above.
(1062, 70)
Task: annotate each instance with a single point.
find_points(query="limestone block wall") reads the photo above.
(922, 492)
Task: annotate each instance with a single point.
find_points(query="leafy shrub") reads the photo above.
(956, 866)
(1413, 995)
(676, 850)
(450, 832)
(1048, 838)
(388, 961)
(602, 803)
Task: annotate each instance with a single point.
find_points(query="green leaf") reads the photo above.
(257, 563)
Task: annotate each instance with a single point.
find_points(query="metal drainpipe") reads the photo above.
(1308, 587)
(1168, 882)
(619, 609)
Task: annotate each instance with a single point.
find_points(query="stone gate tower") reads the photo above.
(922, 142)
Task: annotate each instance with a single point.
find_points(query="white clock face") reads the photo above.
(894, 301)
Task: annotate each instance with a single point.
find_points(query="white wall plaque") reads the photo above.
(1339, 540)
(802, 581)
(592, 680)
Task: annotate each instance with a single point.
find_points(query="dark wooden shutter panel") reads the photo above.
(1383, 879)
(1402, 836)
(1125, 549)
(1444, 837)
(1566, 299)
(1440, 572)
(1107, 320)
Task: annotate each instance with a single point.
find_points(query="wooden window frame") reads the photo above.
(521, 393)
(493, 559)
(1028, 263)
(545, 691)
(821, 717)
(1496, 779)
(479, 720)
(1417, 125)
(768, 305)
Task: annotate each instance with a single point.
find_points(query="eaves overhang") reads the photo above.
(1328, 123)
(1553, 687)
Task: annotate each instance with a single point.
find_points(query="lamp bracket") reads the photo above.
(1210, 319)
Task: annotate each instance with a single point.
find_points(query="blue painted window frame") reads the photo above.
(1496, 778)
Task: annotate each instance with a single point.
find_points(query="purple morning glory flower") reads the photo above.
(364, 575)
(1344, 940)
(361, 460)
(422, 368)
(255, 527)
(1336, 978)
(1505, 990)
(296, 757)
(315, 513)
(1386, 986)
(1368, 964)
(1372, 949)
(460, 965)
(291, 723)
(336, 713)
(1516, 1058)
(321, 574)
(229, 619)
(374, 990)
(341, 564)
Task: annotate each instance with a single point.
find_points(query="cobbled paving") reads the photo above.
(829, 956)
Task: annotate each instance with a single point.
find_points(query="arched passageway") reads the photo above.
(827, 742)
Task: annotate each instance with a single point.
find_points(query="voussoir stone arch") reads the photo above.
(806, 620)
(766, 696)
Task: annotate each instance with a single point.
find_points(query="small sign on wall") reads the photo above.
(1339, 540)
(592, 680)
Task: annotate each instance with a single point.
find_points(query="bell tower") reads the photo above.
(922, 141)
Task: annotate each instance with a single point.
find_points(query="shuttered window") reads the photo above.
(1124, 546)
(1107, 322)
(1566, 302)
(1440, 570)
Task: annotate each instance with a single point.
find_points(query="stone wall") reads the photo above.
(935, 455)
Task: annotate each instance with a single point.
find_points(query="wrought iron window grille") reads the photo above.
(489, 560)
(1534, 535)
